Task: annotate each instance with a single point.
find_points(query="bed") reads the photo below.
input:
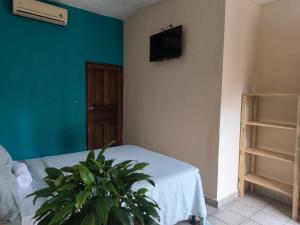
(178, 188)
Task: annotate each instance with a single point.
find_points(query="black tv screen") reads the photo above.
(166, 45)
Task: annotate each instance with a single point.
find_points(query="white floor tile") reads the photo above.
(292, 222)
(255, 200)
(241, 208)
(215, 221)
(253, 209)
(229, 217)
(278, 209)
(265, 218)
(210, 209)
(250, 222)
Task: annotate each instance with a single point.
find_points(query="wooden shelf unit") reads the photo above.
(271, 125)
(249, 125)
(274, 94)
(271, 154)
(280, 187)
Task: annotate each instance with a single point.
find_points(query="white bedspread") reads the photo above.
(178, 189)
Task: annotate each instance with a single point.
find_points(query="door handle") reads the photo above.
(91, 108)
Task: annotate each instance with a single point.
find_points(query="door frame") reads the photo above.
(87, 63)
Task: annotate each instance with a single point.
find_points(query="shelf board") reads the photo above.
(277, 186)
(272, 125)
(271, 154)
(274, 94)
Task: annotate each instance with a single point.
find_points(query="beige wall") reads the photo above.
(189, 108)
(173, 107)
(262, 54)
(241, 32)
(278, 70)
(279, 48)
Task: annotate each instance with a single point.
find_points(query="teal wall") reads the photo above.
(42, 79)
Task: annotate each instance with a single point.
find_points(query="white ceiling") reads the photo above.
(264, 1)
(120, 9)
(114, 8)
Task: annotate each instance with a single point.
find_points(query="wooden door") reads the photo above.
(104, 104)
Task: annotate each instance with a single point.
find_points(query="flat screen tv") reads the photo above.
(166, 45)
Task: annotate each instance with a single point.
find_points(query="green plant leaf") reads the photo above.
(137, 212)
(67, 169)
(46, 220)
(138, 166)
(45, 209)
(89, 219)
(58, 200)
(53, 173)
(59, 181)
(50, 183)
(101, 158)
(151, 211)
(46, 192)
(109, 163)
(97, 164)
(145, 201)
(135, 177)
(62, 214)
(150, 221)
(81, 198)
(90, 165)
(86, 175)
(91, 155)
(124, 164)
(112, 189)
(142, 191)
(47, 206)
(102, 208)
(106, 147)
(66, 187)
(121, 216)
(151, 182)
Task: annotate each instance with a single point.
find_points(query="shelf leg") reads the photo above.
(296, 168)
(242, 148)
(253, 139)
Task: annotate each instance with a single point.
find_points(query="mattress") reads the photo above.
(178, 189)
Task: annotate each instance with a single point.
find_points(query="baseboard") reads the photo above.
(222, 202)
(211, 201)
(227, 200)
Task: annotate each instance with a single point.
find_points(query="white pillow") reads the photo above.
(5, 158)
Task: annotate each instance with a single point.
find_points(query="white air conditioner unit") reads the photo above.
(40, 11)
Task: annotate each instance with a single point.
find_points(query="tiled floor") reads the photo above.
(252, 210)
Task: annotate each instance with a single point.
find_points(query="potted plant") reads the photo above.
(96, 192)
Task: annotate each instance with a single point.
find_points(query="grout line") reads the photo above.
(283, 216)
(273, 215)
(249, 217)
(220, 220)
